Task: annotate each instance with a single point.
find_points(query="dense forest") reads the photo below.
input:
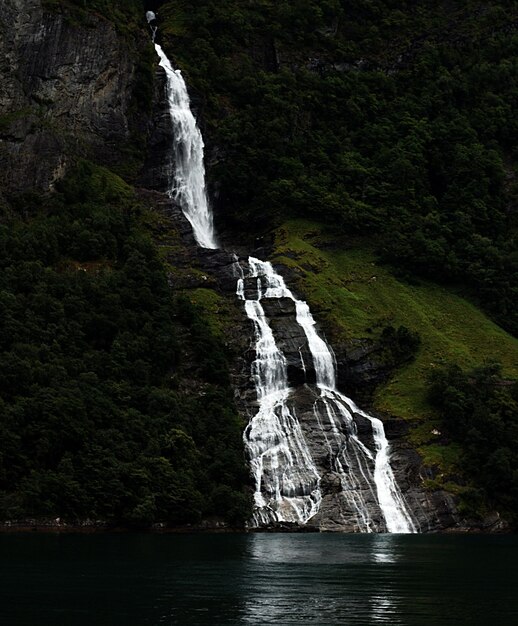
(395, 119)
(99, 418)
(388, 128)
(479, 411)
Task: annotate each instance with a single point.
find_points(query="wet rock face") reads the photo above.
(291, 339)
(360, 369)
(65, 89)
(158, 166)
(430, 511)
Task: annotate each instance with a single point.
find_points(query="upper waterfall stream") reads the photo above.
(288, 485)
(188, 182)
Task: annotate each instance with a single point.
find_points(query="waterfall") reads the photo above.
(188, 181)
(334, 413)
(287, 480)
(287, 484)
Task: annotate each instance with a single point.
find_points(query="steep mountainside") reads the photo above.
(391, 127)
(367, 149)
(391, 119)
(70, 86)
(115, 399)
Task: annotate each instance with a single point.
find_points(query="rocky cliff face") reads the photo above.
(158, 164)
(65, 90)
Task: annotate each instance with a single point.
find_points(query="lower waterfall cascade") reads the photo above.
(287, 484)
(285, 493)
(287, 480)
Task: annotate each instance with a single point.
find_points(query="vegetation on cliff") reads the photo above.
(125, 14)
(390, 128)
(388, 118)
(357, 297)
(114, 396)
(480, 411)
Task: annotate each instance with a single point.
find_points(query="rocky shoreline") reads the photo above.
(99, 526)
(493, 524)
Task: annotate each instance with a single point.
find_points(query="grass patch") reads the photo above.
(443, 457)
(354, 297)
(217, 311)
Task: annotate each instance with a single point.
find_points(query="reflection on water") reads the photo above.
(384, 549)
(284, 586)
(282, 579)
(383, 602)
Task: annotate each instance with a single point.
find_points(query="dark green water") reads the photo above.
(50, 580)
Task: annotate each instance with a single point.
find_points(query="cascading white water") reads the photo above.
(188, 180)
(344, 446)
(287, 482)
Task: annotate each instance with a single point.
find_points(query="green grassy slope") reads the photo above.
(357, 298)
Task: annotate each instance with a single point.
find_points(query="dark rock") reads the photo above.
(361, 368)
(278, 307)
(159, 165)
(363, 427)
(396, 428)
(223, 266)
(66, 91)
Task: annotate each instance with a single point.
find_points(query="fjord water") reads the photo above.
(258, 579)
